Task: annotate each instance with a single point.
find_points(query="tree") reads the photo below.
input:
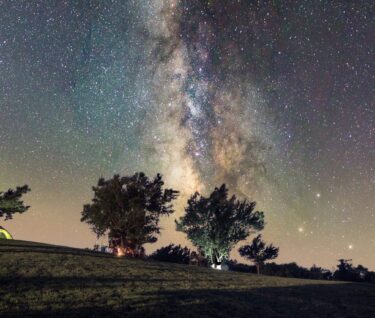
(258, 252)
(172, 253)
(129, 209)
(216, 223)
(345, 270)
(362, 273)
(10, 202)
(317, 272)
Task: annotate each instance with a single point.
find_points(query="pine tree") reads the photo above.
(10, 202)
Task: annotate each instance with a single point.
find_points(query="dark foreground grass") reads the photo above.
(50, 281)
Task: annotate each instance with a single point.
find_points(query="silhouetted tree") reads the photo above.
(215, 224)
(172, 253)
(371, 277)
(345, 271)
(362, 273)
(319, 273)
(129, 208)
(258, 252)
(10, 202)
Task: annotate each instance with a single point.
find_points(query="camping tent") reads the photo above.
(4, 234)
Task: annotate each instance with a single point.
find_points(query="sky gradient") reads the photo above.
(273, 98)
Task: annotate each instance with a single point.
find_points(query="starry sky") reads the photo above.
(273, 98)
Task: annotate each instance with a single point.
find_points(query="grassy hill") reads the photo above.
(44, 280)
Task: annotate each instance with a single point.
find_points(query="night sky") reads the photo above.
(273, 98)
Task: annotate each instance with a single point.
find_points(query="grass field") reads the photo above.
(41, 280)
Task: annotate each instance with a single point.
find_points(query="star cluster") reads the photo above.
(273, 98)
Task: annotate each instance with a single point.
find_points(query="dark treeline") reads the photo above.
(345, 270)
(284, 270)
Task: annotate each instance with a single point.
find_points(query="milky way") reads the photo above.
(219, 109)
(275, 99)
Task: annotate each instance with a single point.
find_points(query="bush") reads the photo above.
(240, 267)
(172, 253)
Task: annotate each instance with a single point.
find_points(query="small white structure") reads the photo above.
(221, 267)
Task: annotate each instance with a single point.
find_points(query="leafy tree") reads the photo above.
(258, 252)
(172, 253)
(216, 223)
(345, 270)
(371, 277)
(362, 273)
(317, 272)
(10, 202)
(129, 208)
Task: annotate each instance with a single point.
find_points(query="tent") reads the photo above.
(4, 234)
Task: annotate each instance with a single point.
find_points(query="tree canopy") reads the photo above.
(11, 203)
(216, 223)
(347, 272)
(129, 208)
(258, 252)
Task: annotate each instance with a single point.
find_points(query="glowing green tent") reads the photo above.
(4, 234)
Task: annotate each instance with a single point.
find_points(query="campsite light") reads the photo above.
(120, 252)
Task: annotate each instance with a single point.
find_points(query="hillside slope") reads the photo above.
(45, 280)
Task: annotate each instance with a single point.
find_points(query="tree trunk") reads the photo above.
(258, 268)
(136, 250)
